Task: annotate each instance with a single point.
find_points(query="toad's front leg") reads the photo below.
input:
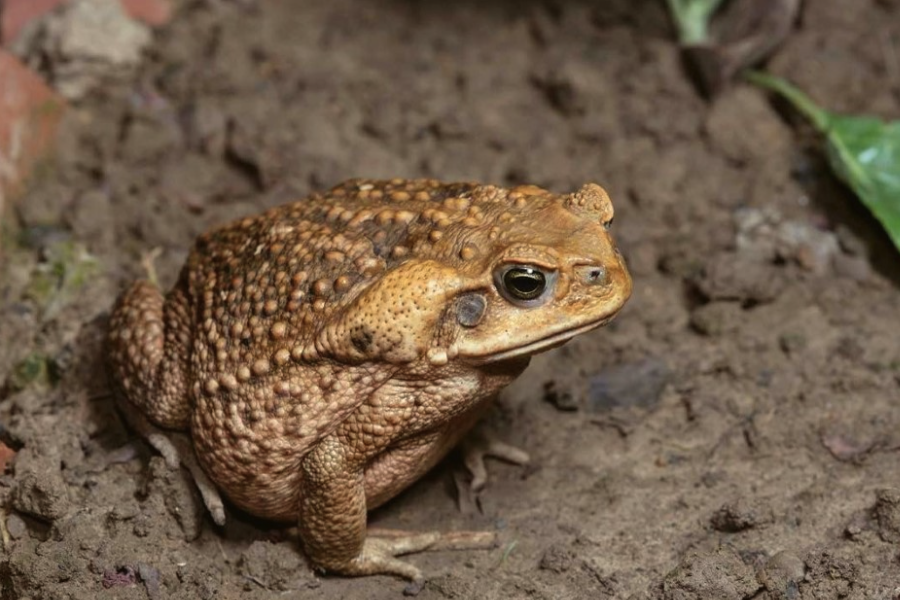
(333, 520)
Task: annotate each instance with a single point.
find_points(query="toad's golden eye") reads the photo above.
(524, 285)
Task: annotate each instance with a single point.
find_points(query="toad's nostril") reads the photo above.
(593, 275)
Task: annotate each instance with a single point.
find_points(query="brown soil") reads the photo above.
(734, 434)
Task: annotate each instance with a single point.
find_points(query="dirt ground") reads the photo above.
(734, 434)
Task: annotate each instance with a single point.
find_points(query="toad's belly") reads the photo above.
(393, 471)
(261, 480)
(269, 486)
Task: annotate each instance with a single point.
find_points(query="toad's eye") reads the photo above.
(523, 284)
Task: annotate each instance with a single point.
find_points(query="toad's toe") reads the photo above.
(382, 547)
(478, 447)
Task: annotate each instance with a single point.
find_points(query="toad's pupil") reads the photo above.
(524, 283)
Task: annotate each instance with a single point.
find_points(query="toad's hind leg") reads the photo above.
(148, 350)
(333, 521)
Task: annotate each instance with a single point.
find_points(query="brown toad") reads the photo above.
(325, 354)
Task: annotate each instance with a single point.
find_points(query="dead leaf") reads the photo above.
(844, 447)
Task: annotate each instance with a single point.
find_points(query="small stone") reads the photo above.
(16, 526)
(854, 267)
(765, 235)
(637, 384)
(729, 276)
(562, 399)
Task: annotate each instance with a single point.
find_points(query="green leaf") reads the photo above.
(34, 369)
(66, 267)
(692, 19)
(863, 151)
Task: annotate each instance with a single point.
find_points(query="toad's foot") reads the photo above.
(176, 449)
(477, 447)
(382, 547)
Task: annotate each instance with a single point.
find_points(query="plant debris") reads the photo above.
(746, 33)
(863, 151)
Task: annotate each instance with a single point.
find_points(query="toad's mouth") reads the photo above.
(553, 340)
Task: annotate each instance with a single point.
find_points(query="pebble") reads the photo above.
(563, 399)
(16, 526)
(636, 384)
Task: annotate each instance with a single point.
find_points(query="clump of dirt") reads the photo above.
(759, 455)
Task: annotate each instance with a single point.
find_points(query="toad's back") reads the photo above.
(297, 263)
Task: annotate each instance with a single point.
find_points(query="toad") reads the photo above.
(325, 354)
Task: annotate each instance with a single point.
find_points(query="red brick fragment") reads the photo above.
(29, 115)
(18, 13)
(151, 12)
(6, 455)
